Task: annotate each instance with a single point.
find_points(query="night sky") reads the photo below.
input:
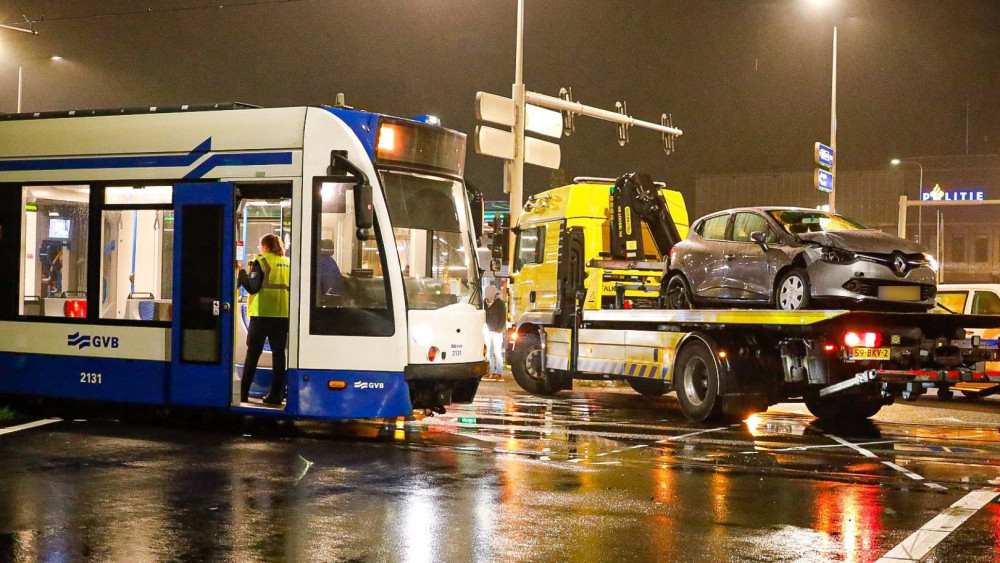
(747, 81)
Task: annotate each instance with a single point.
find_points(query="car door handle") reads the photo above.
(729, 256)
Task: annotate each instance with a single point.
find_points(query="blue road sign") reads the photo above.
(823, 180)
(823, 155)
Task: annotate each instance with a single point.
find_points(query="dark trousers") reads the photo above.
(275, 330)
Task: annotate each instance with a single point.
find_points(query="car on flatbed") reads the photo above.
(796, 258)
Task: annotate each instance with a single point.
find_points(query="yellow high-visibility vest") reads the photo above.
(272, 299)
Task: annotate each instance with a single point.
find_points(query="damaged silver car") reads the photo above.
(796, 258)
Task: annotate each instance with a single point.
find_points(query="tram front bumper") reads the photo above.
(436, 386)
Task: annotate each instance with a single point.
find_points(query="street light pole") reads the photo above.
(514, 169)
(833, 126)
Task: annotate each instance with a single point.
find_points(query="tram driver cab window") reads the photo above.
(349, 291)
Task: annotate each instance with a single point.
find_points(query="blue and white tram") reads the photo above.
(120, 232)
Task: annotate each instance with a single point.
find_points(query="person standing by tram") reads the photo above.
(267, 281)
(496, 323)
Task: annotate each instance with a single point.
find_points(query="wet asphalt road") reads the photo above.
(594, 475)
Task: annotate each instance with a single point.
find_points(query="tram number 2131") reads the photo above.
(92, 378)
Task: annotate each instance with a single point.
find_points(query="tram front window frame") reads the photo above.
(433, 238)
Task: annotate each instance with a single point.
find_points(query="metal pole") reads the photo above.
(920, 210)
(901, 222)
(560, 104)
(833, 126)
(940, 246)
(515, 176)
(20, 85)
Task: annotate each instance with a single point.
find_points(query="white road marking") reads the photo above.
(304, 471)
(28, 425)
(923, 541)
(904, 471)
(689, 434)
(851, 445)
(815, 447)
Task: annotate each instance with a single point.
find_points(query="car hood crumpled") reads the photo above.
(869, 240)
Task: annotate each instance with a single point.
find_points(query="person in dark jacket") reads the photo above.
(496, 323)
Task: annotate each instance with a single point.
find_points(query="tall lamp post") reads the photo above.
(20, 80)
(920, 194)
(833, 125)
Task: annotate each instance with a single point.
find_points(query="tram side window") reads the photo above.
(350, 293)
(54, 259)
(136, 262)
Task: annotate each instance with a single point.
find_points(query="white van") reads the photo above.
(968, 298)
(972, 299)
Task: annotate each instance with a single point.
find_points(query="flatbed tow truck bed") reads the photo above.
(729, 363)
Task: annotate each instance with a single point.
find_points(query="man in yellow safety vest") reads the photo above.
(267, 279)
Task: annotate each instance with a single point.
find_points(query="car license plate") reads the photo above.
(899, 292)
(879, 354)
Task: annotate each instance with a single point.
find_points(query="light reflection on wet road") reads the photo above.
(593, 475)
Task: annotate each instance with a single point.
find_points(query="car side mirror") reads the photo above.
(496, 246)
(364, 212)
(760, 237)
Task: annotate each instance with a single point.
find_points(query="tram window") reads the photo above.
(357, 302)
(54, 258)
(136, 263)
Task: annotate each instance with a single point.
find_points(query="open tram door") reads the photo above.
(204, 276)
(260, 209)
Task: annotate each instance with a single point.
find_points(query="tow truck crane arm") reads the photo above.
(635, 197)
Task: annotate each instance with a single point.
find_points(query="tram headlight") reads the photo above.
(423, 334)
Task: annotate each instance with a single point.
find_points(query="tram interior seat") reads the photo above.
(144, 307)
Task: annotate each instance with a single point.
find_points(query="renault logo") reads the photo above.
(899, 264)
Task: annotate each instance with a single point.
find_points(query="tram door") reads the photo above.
(202, 332)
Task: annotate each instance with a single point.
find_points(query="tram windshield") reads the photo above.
(433, 239)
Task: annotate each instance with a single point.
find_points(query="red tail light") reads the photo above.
(628, 303)
(854, 339)
(75, 308)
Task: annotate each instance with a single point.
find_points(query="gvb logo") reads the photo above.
(82, 341)
(369, 385)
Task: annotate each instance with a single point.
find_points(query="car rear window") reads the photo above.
(714, 228)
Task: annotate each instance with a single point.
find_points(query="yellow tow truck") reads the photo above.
(585, 304)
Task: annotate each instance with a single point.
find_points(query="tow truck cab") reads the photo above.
(595, 220)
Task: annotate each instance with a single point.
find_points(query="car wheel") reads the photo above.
(791, 293)
(678, 293)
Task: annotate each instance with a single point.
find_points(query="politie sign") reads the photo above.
(937, 194)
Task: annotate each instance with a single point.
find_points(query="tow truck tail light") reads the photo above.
(75, 308)
(854, 339)
(628, 303)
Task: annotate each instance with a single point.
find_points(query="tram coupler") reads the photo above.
(858, 380)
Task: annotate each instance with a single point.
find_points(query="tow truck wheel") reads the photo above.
(696, 379)
(526, 365)
(945, 393)
(843, 409)
(677, 293)
(648, 387)
(791, 293)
